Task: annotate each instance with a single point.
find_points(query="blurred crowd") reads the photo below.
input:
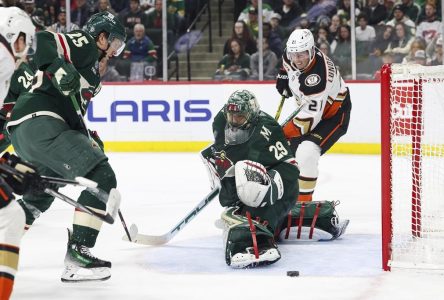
(142, 20)
(387, 31)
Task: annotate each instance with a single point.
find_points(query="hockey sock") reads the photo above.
(86, 227)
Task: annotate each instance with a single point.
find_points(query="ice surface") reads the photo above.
(159, 189)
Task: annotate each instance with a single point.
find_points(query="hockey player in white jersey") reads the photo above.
(16, 37)
(316, 84)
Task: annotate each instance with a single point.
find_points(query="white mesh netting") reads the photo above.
(417, 156)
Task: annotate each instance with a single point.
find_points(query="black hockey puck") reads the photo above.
(293, 273)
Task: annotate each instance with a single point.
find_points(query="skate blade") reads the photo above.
(74, 274)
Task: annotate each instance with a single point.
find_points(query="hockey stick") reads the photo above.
(293, 114)
(82, 122)
(165, 238)
(108, 217)
(281, 104)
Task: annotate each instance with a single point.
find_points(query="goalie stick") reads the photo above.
(145, 239)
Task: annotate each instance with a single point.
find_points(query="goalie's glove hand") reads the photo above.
(282, 84)
(65, 77)
(21, 176)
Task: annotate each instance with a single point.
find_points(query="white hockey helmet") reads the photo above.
(301, 40)
(14, 21)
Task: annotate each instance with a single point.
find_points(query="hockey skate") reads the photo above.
(81, 266)
(247, 259)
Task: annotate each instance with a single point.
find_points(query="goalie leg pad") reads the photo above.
(239, 243)
(313, 221)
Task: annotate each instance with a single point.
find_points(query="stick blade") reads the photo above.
(142, 239)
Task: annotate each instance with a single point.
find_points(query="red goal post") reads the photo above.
(412, 166)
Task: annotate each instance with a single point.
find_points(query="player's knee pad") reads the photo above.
(316, 220)
(12, 224)
(104, 175)
(307, 157)
(238, 235)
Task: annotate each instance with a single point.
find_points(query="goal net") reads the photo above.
(412, 140)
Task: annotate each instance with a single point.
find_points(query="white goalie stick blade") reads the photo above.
(156, 240)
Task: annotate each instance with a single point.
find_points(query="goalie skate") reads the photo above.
(247, 259)
(81, 265)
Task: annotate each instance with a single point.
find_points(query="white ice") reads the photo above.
(159, 189)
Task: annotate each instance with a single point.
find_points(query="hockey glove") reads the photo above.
(21, 176)
(282, 84)
(97, 142)
(6, 195)
(255, 186)
(65, 77)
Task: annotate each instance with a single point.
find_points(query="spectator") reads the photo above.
(266, 12)
(321, 36)
(387, 58)
(437, 58)
(430, 26)
(435, 3)
(420, 58)
(50, 15)
(411, 9)
(274, 41)
(342, 51)
(235, 64)
(105, 5)
(60, 26)
(29, 7)
(119, 5)
(364, 32)
(270, 61)
(81, 13)
(154, 18)
(344, 11)
(325, 48)
(333, 28)
(418, 44)
(389, 4)
(375, 12)
(241, 32)
(252, 21)
(400, 46)
(134, 16)
(383, 39)
(140, 47)
(400, 17)
(289, 10)
(276, 27)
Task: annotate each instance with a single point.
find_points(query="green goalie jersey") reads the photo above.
(267, 145)
(76, 47)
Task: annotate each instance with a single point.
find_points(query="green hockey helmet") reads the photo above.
(241, 108)
(107, 22)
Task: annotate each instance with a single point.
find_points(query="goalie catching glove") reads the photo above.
(255, 186)
(65, 77)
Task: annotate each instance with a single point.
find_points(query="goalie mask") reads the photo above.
(241, 110)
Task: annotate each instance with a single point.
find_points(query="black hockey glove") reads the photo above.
(95, 136)
(21, 176)
(282, 84)
(6, 195)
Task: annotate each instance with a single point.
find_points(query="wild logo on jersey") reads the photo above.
(222, 162)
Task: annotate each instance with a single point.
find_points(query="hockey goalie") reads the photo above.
(252, 164)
